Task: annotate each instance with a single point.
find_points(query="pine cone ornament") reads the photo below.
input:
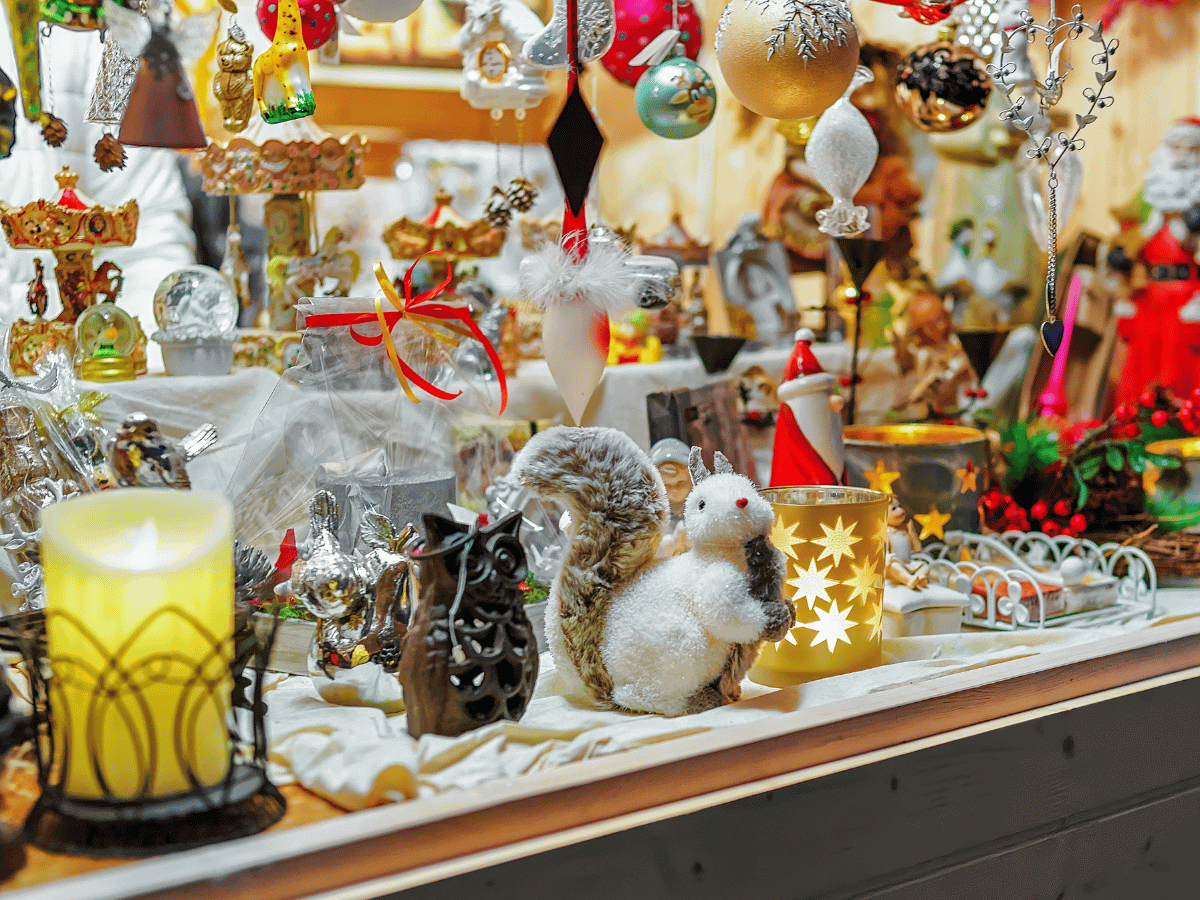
(54, 132)
(522, 194)
(497, 211)
(109, 154)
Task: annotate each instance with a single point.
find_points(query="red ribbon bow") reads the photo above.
(425, 315)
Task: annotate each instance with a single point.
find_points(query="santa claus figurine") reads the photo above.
(808, 432)
(1161, 320)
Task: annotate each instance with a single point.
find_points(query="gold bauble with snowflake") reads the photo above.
(834, 542)
(787, 59)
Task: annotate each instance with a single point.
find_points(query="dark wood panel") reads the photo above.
(1067, 802)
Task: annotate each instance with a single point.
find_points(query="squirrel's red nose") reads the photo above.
(742, 502)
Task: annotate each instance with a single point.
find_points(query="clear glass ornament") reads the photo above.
(841, 153)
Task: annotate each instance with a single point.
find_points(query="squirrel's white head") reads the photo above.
(723, 507)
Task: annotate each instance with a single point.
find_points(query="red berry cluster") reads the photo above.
(1002, 513)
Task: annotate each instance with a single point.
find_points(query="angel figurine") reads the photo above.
(162, 109)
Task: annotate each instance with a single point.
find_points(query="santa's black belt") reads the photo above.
(1181, 272)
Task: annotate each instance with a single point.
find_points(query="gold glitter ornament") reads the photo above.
(787, 59)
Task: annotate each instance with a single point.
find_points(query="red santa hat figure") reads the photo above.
(808, 432)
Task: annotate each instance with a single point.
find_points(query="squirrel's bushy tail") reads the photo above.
(618, 508)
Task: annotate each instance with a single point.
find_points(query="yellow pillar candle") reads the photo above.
(139, 628)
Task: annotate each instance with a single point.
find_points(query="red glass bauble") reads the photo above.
(638, 22)
(320, 20)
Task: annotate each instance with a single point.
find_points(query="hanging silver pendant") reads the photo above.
(114, 84)
(1045, 144)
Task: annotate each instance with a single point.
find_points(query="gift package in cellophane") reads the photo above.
(366, 413)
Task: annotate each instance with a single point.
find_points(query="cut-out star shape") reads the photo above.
(784, 537)
(932, 523)
(1150, 480)
(831, 626)
(864, 580)
(811, 583)
(968, 475)
(838, 541)
(875, 623)
(880, 479)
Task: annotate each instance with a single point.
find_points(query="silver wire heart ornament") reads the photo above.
(1048, 145)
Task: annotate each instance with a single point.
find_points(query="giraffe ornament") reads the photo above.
(281, 83)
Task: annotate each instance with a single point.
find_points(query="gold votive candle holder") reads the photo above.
(833, 539)
(937, 472)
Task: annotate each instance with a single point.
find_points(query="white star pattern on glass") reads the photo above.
(831, 626)
(811, 584)
(838, 541)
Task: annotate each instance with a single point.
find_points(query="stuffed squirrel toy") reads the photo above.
(637, 633)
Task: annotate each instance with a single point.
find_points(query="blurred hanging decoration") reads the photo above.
(318, 20)
(233, 85)
(23, 17)
(498, 77)
(787, 59)
(162, 109)
(8, 115)
(927, 12)
(943, 87)
(78, 15)
(646, 25)
(574, 286)
(841, 153)
(675, 97)
(592, 24)
(281, 71)
(1031, 102)
(380, 10)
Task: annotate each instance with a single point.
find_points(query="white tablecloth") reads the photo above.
(358, 757)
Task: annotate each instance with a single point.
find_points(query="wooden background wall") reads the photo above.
(713, 179)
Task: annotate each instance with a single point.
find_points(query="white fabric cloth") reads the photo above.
(357, 757)
(165, 242)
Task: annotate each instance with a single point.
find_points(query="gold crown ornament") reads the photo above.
(446, 231)
(296, 158)
(676, 243)
(73, 227)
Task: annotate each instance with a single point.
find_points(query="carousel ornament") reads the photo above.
(162, 109)
(787, 59)
(943, 87)
(1052, 148)
(233, 85)
(72, 227)
(841, 152)
(281, 71)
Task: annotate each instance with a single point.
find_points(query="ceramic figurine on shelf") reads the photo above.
(1160, 321)
(281, 71)
(930, 350)
(470, 655)
(630, 341)
(808, 432)
(355, 652)
(143, 457)
(902, 543)
(631, 633)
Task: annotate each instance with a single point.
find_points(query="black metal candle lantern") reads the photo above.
(122, 712)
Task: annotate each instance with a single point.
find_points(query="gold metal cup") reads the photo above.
(833, 540)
